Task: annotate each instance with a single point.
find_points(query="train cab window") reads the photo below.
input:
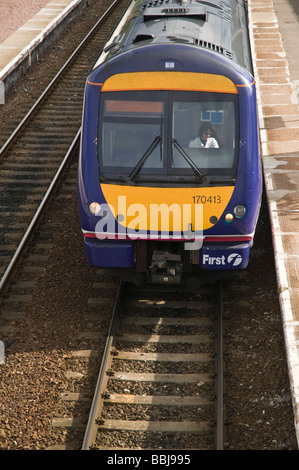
(146, 136)
(206, 132)
(131, 130)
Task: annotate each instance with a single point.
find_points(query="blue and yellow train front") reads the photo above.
(156, 199)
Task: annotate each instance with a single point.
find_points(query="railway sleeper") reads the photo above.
(156, 426)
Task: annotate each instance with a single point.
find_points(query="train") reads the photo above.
(169, 174)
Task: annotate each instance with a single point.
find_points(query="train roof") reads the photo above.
(216, 25)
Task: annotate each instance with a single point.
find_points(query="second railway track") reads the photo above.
(33, 153)
(157, 387)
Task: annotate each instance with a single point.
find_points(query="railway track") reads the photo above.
(39, 330)
(161, 384)
(34, 155)
(32, 160)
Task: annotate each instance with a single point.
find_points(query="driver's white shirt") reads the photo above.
(210, 143)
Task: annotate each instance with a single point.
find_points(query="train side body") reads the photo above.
(154, 204)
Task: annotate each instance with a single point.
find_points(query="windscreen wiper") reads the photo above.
(143, 159)
(189, 160)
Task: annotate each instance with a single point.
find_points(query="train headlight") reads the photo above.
(94, 208)
(229, 218)
(240, 211)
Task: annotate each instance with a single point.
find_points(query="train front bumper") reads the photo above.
(211, 256)
(109, 253)
(223, 256)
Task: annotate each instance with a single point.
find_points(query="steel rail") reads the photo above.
(57, 76)
(96, 405)
(13, 262)
(9, 270)
(96, 422)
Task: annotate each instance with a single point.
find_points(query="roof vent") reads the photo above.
(214, 47)
(211, 46)
(143, 37)
(153, 11)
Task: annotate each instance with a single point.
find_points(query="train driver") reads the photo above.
(206, 138)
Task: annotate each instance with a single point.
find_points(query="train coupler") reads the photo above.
(166, 268)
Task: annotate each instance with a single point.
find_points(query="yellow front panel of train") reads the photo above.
(185, 81)
(167, 209)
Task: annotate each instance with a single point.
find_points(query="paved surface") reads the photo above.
(274, 35)
(274, 30)
(17, 50)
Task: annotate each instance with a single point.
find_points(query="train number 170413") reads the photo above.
(207, 199)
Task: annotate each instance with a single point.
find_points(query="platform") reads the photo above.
(279, 132)
(24, 45)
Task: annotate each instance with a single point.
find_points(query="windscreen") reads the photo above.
(167, 134)
(129, 128)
